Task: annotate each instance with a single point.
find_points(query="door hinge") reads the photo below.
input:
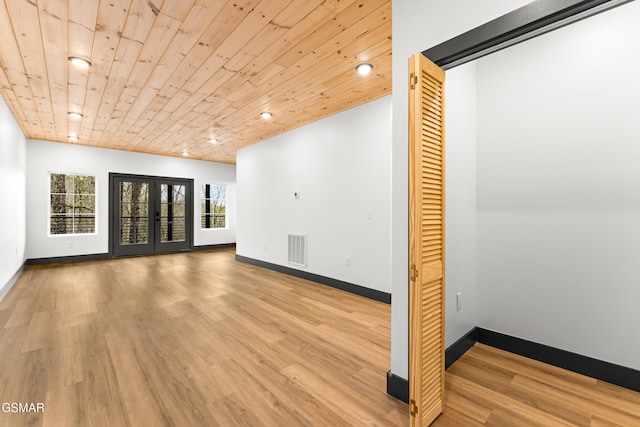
(414, 273)
(413, 81)
(413, 408)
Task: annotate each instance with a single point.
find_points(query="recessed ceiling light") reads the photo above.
(265, 115)
(79, 62)
(74, 115)
(364, 68)
(213, 140)
(185, 153)
(72, 138)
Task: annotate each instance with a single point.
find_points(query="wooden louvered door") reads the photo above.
(426, 241)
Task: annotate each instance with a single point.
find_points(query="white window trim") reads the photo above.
(226, 211)
(48, 220)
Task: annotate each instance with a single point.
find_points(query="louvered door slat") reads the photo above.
(426, 371)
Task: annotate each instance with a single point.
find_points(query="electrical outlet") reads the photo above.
(459, 301)
(347, 261)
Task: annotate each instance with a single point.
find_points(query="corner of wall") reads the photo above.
(4, 290)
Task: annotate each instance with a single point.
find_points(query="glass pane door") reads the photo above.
(134, 213)
(173, 215)
(149, 214)
(130, 223)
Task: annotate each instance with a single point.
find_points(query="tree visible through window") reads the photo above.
(134, 213)
(214, 206)
(73, 204)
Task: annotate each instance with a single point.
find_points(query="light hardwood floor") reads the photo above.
(191, 339)
(200, 339)
(491, 387)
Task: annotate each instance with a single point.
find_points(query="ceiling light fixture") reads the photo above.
(74, 115)
(79, 62)
(72, 138)
(185, 153)
(213, 140)
(364, 69)
(265, 115)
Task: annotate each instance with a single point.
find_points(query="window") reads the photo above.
(72, 204)
(214, 206)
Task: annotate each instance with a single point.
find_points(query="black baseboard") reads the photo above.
(594, 368)
(217, 246)
(93, 257)
(604, 371)
(334, 283)
(397, 387)
(63, 259)
(460, 347)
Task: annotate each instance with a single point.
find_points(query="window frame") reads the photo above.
(95, 204)
(203, 204)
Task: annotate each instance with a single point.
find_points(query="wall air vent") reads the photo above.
(297, 248)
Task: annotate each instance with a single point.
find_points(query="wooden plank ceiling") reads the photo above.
(168, 75)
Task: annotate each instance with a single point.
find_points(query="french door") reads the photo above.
(149, 214)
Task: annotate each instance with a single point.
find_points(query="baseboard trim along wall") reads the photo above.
(216, 246)
(460, 347)
(7, 286)
(334, 283)
(93, 257)
(71, 258)
(397, 387)
(604, 371)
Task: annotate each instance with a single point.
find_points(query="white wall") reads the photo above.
(341, 167)
(13, 205)
(44, 157)
(417, 26)
(559, 188)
